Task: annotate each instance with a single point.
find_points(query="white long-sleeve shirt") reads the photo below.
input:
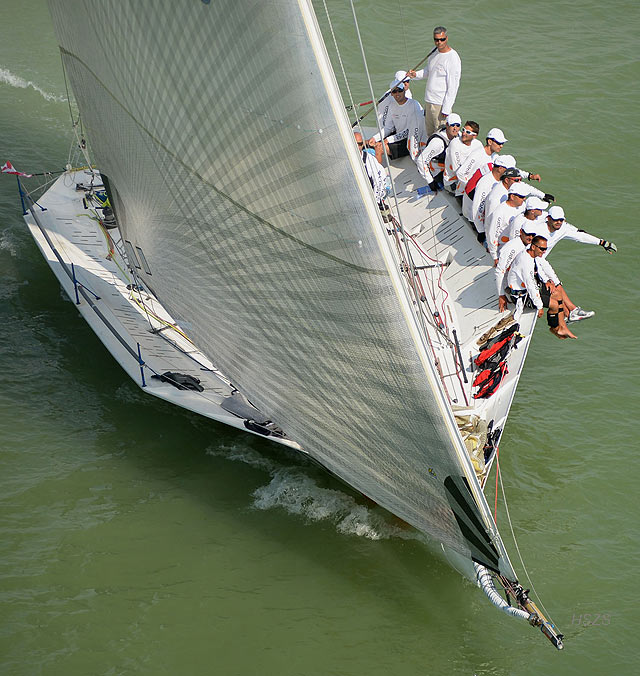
(482, 190)
(457, 153)
(499, 194)
(399, 119)
(521, 276)
(377, 175)
(508, 255)
(383, 108)
(425, 161)
(474, 161)
(497, 222)
(532, 226)
(443, 73)
(567, 231)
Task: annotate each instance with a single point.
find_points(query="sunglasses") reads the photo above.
(397, 91)
(542, 248)
(468, 131)
(439, 39)
(455, 124)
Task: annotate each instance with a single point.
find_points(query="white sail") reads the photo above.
(234, 176)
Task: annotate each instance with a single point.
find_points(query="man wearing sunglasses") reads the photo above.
(499, 220)
(498, 193)
(480, 157)
(522, 282)
(494, 173)
(459, 149)
(556, 228)
(430, 161)
(403, 120)
(442, 73)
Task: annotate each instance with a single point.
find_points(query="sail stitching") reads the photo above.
(241, 207)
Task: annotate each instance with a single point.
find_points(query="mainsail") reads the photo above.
(233, 175)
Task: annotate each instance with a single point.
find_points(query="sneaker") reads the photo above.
(578, 313)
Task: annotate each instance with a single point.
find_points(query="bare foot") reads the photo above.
(563, 334)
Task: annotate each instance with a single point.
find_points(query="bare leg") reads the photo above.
(569, 305)
(555, 316)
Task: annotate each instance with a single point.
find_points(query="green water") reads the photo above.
(140, 539)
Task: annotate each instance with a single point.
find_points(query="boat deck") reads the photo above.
(127, 317)
(454, 284)
(458, 282)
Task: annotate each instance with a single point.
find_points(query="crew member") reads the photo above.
(499, 219)
(479, 157)
(401, 119)
(499, 191)
(375, 171)
(383, 108)
(544, 270)
(556, 228)
(473, 200)
(430, 161)
(458, 151)
(521, 281)
(442, 72)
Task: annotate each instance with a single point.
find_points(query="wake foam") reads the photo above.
(298, 493)
(9, 78)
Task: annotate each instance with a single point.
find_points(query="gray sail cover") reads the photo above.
(228, 167)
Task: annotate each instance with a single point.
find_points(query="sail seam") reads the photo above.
(306, 245)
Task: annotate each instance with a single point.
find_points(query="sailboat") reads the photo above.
(229, 253)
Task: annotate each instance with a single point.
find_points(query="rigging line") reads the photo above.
(335, 44)
(513, 535)
(407, 254)
(404, 34)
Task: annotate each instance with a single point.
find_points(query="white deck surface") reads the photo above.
(462, 292)
(80, 241)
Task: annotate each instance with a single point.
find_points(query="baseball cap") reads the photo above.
(520, 189)
(497, 135)
(507, 161)
(534, 202)
(454, 118)
(511, 172)
(556, 213)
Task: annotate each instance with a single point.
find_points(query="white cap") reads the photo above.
(497, 135)
(506, 161)
(520, 189)
(454, 118)
(400, 75)
(397, 81)
(534, 202)
(556, 213)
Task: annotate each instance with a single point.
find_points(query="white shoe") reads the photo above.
(578, 314)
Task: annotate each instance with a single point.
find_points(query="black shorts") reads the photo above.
(545, 294)
(398, 149)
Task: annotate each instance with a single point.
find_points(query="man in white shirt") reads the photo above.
(479, 157)
(430, 161)
(546, 273)
(383, 108)
(521, 280)
(556, 228)
(458, 151)
(403, 119)
(442, 73)
(531, 219)
(499, 191)
(375, 171)
(498, 221)
(473, 201)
